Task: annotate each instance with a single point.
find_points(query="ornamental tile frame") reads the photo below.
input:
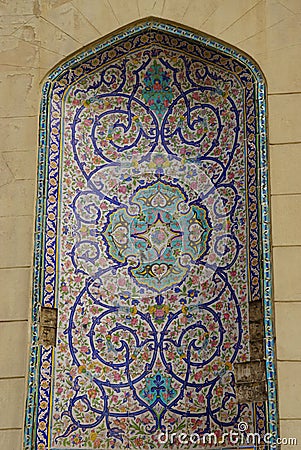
(150, 231)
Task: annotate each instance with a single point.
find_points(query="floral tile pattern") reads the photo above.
(151, 244)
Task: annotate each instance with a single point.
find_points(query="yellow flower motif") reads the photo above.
(152, 309)
(93, 436)
(228, 365)
(82, 369)
(134, 310)
(184, 310)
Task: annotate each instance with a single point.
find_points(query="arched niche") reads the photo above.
(152, 304)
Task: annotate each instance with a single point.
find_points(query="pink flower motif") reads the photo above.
(111, 287)
(84, 349)
(92, 393)
(198, 376)
(117, 376)
(201, 398)
(73, 372)
(94, 310)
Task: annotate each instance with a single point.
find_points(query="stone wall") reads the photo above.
(37, 34)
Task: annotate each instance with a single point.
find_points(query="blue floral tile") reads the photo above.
(149, 238)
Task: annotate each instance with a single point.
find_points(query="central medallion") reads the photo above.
(154, 241)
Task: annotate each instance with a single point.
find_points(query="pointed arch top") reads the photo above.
(70, 74)
(155, 24)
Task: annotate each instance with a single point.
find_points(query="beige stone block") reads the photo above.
(19, 7)
(175, 9)
(263, 15)
(198, 12)
(16, 241)
(150, 8)
(13, 349)
(124, 10)
(11, 439)
(288, 342)
(48, 36)
(23, 165)
(228, 12)
(10, 24)
(57, 40)
(15, 52)
(48, 60)
(6, 175)
(290, 429)
(52, 3)
(29, 31)
(69, 19)
(284, 118)
(19, 133)
(286, 273)
(282, 73)
(19, 91)
(15, 293)
(12, 403)
(286, 218)
(289, 388)
(292, 5)
(282, 35)
(285, 163)
(17, 198)
(99, 14)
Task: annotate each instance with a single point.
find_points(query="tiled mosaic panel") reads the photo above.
(157, 255)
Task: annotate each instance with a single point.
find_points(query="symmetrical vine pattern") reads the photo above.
(151, 244)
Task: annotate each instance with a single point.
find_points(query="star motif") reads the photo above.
(158, 235)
